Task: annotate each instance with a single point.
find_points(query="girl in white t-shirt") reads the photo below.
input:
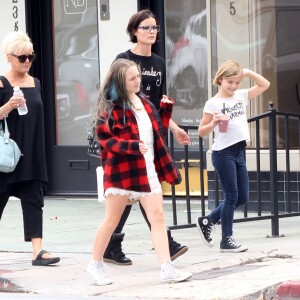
(228, 149)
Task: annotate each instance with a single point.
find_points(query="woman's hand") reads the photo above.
(181, 136)
(166, 99)
(16, 101)
(13, 103)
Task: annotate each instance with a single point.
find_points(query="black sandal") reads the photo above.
(40, 261)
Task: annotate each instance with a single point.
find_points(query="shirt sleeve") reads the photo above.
(244, 95)
(113, 143)
(209, 107)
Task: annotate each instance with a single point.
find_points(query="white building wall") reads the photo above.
(12, 16)
(113, 38)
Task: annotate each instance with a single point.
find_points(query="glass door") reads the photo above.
(243, 31)
(77, 68)
(87, 36)
(262, 35)
(186, 62)
(77, 77)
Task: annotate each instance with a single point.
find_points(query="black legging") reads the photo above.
(125, 215)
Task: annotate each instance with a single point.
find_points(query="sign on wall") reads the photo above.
(12, 16)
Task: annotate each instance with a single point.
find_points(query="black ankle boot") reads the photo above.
(175, 248)
(114, 253)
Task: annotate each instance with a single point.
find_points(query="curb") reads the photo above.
(289, 290)
(6, 286)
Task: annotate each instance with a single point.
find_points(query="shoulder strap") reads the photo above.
(37, 83)
(6, 87)
(5, 128)
(5, 81)
(7, 84)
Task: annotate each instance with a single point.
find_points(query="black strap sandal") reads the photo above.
(40, 261)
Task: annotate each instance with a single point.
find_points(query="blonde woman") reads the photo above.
(29, 178)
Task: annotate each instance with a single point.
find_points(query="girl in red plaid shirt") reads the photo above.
(135, 160)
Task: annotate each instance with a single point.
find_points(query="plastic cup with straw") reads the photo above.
(223, 123)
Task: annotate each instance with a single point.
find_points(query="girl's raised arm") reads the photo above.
(262, 84)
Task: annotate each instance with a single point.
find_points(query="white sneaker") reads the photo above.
(97, 270)
(170, 274)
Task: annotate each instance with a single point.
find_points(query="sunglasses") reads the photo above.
(23, 58)
(149, 28)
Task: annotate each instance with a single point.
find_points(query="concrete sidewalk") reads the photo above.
(69, 228)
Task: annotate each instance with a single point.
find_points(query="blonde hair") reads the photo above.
(16, 42)
(227, 69)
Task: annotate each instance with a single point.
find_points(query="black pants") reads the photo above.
(125, 215)
(32, 202)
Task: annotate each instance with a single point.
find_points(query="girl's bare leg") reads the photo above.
(153, 206)
(114, 207)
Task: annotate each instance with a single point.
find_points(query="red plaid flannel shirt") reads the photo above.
(124, 165)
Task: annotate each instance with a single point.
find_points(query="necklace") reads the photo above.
(137, 108)
(139, 105)
(22, 83)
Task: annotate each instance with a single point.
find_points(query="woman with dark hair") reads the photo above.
(143, 30)
(135, 160)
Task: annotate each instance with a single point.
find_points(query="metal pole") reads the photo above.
(273, 171)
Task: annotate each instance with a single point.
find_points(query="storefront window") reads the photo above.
(77, 68)
(238, 32)
(261, 35)
(186, 61)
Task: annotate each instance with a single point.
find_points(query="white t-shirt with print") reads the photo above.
(235, 107)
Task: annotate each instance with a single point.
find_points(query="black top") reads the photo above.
(28, 132)
(153, 71)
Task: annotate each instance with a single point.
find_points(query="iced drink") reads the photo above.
(223, 123)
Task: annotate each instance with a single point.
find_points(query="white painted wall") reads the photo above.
(113, 38)
(12, 16)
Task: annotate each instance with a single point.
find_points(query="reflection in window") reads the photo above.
(186, 61)
(77, 70)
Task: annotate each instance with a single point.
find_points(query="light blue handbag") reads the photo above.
(9, 151)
